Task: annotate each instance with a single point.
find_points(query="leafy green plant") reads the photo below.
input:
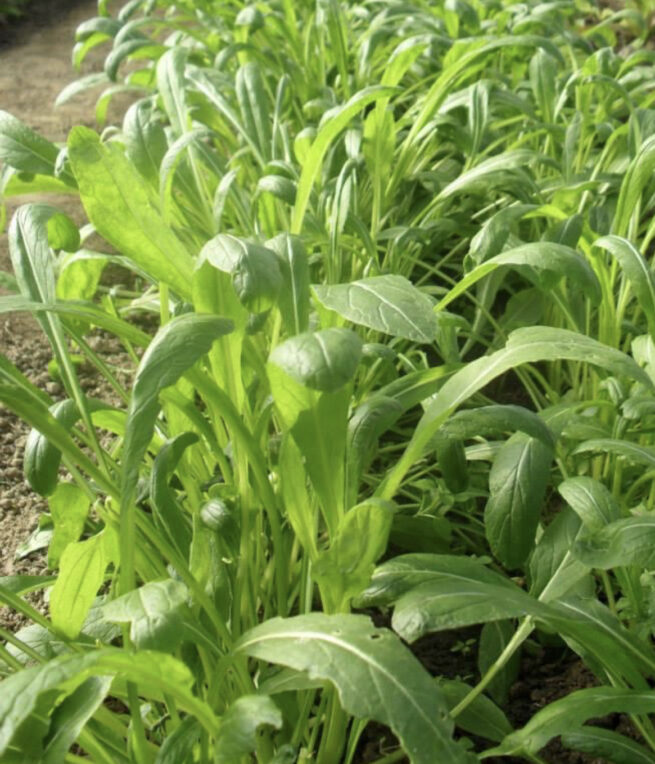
(400, 270)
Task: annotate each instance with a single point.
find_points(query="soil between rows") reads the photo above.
(34, 67)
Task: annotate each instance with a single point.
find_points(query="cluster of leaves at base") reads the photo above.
(400, 266)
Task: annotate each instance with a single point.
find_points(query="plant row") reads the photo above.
(398, 258)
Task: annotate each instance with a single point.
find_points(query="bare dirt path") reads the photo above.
(35, 65)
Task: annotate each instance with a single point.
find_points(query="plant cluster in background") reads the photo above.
(398, 254)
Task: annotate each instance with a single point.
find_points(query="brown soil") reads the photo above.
(35, 65)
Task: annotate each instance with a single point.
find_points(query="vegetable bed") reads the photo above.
(382, 274)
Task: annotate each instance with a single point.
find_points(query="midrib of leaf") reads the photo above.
(390, 305)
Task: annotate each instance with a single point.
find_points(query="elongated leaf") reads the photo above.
(254, 106)
(571, 712)
(631, 452)
(517, 485)
(435, 592)
(591, 501)
(237, 734)
(294, 294)
(22, 691)
(525, 345)
(145, 140)
(637, 272)
(333, 123)
(389, 304)
(171, 86)
(22, 148)
(494, 638)
(175, 348)
(123, 210)
(481, 717)
(179, 745)
(70, 717)
(630, 541)
(24, 584)
(634, 181)
(154, 612)
(546, 260)
(492, 420)
(607, 745)
(375, 676)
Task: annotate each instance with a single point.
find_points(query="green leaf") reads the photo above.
(388, 304)
(332, 124)
(553, 570)
(545, 262)
(325, 360)
(70, 717)
(494, 638)
(293, 300)
(435, 592)
(254, 269)
(22, 148)
(175, 348)
(237, 734)
(171, 87)
(637, 272)
(481, 717)
(607, 745)
(24, 584)
(255, 107)
(154, 612)
(631, 452)
(344, 570)
(145, 140)
(591, 501)
(630, 541)
(166, 510)
(527, 345)
(517, 485)
(569, 713)
(123, 209)
(79, 275)
(179, 745)
(635, 179)
(375, 675)
(152, 671)
(69, 507)
(81, 574)
(492, 420)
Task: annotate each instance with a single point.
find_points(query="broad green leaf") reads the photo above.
(345, 568)
(123, 209)
(174, 350)
(237, 733)
(375, 675)
(495, 419)
(433, 592)
(569, 713)
(332, 124)
(527, 345)
(254, 270)
(553, 570)
(634, 181)
(81, 574)
(607, 745)
(451, 459)
(22, 691)
(325, 360)
(543, 262)
(517, 485)
(154, 612)
(294, 294)
(590, 500)
(637, 272)
(481, 717)
(69, 507)
(388, 304)
(630, 541)
(70, 717)
(79, 275)
(22, 148)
